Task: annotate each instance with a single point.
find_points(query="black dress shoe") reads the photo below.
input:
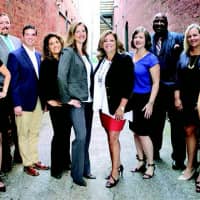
(178, 165)
(90, 176)
(57, 176)
(156, 156)
(80, 183)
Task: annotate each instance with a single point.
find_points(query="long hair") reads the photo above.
(100, 49)
(71, 42)
(46, 51)
(185, 42)
(141, 29)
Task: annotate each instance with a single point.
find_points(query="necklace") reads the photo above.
(193, 61)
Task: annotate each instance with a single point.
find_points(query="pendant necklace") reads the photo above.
(191, 64)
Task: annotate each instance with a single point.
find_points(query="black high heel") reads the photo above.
(3, 188)
(120, 170)
(197, 184)
(148, 176)
(110, 184)
(142, 168)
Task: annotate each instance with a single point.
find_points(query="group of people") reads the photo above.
(157, 80)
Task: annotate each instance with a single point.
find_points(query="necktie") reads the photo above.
(158, 46)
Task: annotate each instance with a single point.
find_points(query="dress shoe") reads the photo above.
(90, 176)
(156, 156)
(41, 166)
(184, 178)
(57, 176)
(31, 171)
(178, 165)
(80, 183)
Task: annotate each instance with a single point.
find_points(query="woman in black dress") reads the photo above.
(186, 94)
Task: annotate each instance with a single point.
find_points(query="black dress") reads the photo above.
(189, 86)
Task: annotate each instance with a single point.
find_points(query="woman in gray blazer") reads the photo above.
(75, 81)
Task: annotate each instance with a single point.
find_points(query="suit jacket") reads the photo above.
(24, 81)
(4, 51)
(119, 80)
(72, 76)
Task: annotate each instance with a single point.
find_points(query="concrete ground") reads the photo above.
(163, 186)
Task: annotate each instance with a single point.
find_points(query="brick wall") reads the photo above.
(140, 12)
(41, 13)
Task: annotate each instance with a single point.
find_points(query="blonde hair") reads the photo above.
(185, 42)
(100, 49)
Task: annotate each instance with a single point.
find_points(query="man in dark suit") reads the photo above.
(24, 64)
(8, 43)
(167, 46)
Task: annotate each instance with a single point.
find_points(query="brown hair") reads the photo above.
(70, 42)
(100, 49)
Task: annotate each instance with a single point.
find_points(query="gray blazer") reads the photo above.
(72, 76)
(4, 51)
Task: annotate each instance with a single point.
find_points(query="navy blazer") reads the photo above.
(24, 81)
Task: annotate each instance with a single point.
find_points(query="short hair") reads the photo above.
(3, 14)
(46, 52)
(100, 49)
(163, 15)
(29, 26)
(141, 29)
(185, 42)
(70, 42)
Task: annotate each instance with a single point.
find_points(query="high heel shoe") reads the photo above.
(197, 184)
(2, 188)
(110, 184)
(142, 167)
(120, 170)
(148, 176)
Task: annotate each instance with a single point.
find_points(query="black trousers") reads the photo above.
(60, 145)
(164, 109)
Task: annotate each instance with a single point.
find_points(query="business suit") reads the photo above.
(7, 158)
(73, 84)
(25, 93)
(4, 50)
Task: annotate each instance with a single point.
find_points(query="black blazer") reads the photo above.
(119, 80)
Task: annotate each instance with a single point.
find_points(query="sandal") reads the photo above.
(197, 184)
(142, 167)
(110, 184)
(2, 186)
(148, 176)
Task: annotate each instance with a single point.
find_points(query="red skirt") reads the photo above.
(111, 124)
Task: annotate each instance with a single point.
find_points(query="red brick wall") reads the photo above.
(140, 12)
(41, 13)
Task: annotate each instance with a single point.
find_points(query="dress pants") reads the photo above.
(60, 144)
(164, 108)
(28, 128)
(80, 159)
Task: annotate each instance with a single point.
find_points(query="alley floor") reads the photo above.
(163, 186)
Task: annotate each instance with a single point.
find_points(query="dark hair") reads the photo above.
(100, 49)
(46, 52)
(163, 15)
(29, 26)
(3, 14)
(146, 35)
(71, 42)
